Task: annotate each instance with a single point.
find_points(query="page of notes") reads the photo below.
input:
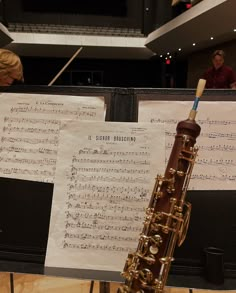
(215, 167)
(105, 175)
(29, 131)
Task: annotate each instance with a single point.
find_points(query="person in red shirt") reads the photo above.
(219, 75)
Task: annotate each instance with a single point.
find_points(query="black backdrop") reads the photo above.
(92, 7)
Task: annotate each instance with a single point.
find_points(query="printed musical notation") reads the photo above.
(29, 129)
(15, 172)
(142, 197)
(99, 236)
(99, 200)
(104, 248)
(215, 165)
(101, 207)
(112, 170)
(45, 110)
(200, 121)
(209, 135)
(112, 161)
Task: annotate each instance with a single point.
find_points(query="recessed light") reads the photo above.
(161, 56)
(194, 44)
(170, 56)
(235, 30)
(212, 38)
(168, 53)
(179, 49)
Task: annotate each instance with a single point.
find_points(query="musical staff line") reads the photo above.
(102, 227)
(212, 147)
(38, 110)
(53, 141)
(28, 150)
(100, 216)
(96, 247)
(200, 121)
(108, 189)
(224, 177)
(216, 162)
(30, 130)
(40, 162)
(87, 236)
(87, 151)
(111, 197)
(216, 135)
(10, 120)
(85, 205)
(109, 170)
(9, 171)
(133, 180)
(106, 161)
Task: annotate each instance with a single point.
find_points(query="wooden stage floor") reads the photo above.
(28, 283)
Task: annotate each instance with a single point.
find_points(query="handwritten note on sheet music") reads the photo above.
(29, 131)
(104, 179)
(215, 167)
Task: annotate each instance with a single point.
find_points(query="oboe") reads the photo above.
(168, 214)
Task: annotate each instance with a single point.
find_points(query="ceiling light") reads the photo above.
(235, 30)
(168, 53)
(161, 56)
(179, 49)
(212, 38)
(194, 44)
(170, 56)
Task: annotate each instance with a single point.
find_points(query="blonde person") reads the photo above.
(11, 68)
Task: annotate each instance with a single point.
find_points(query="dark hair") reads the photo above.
(219, 53)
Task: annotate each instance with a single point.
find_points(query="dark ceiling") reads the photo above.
(91, 7)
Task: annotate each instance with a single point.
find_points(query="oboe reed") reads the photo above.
(199, 91)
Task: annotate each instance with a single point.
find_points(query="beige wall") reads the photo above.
(200, 61)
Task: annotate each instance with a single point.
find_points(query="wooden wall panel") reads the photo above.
(42, 284)
(27, 283)
(5, 283)
(212, 291)
(114, 287)
(176, 290)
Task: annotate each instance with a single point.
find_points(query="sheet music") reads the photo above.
(104, 179)
(29, 131)
(215, 167)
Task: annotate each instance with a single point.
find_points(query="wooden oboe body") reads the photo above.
(167, 216)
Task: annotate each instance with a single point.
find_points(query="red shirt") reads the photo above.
(219, 78)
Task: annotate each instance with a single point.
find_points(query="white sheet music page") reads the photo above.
(215, 167)
(29, 131)
(104, 178)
